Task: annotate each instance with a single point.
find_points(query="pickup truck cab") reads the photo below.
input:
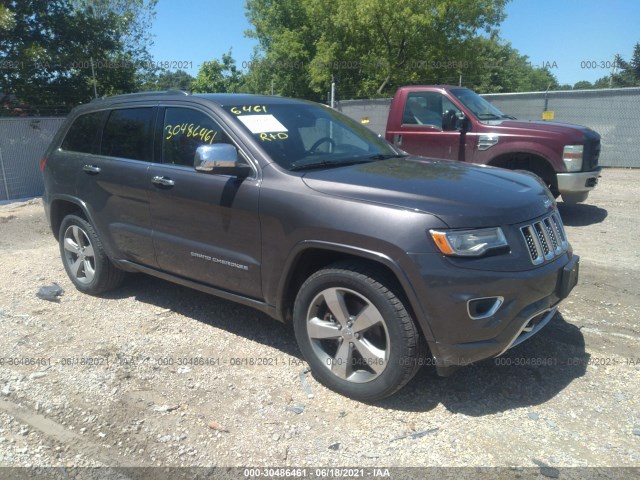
(455, 123)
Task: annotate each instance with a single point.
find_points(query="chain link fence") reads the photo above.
(23, 142)
(613, 113)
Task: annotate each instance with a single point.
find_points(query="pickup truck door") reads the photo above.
(422, 133)
(206, 227)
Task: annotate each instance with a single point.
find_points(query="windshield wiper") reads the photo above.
(327, 163)
(380, 156)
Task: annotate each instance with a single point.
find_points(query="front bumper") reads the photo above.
(575, 187)
(530, 300)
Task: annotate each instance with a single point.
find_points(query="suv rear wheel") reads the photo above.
(355, 332)
(84, 258)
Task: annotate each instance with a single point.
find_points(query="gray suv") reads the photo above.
(382, 261)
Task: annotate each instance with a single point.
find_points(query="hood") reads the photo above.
(579, 133)
(461, 195)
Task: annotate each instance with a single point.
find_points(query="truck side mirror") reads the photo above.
(221, 159)
(453, 120)
(463, 125)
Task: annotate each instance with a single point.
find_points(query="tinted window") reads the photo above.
(127, 134)
(184, 130)
(82, 135)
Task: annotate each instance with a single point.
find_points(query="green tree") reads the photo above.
(218, 76)
(489, 65)
(624, 74)
(178, 80)
(634, 64)
(50, 47)
(368, 47)
(582, 85)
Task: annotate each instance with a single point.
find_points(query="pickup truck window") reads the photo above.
(423, 108)
(482, 109)
(298, 136)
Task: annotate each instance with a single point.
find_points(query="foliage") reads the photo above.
(582, 85)
(221, 76)
(624, 74)
(48, 49)
(369, 47)
(167, 80)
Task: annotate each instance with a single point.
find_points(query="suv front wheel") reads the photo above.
(84, 258)
(355, 332)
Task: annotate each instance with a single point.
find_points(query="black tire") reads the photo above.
(84, 258)
(353, 288)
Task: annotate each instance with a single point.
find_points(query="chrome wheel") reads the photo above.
(348, 334)
(79, 254)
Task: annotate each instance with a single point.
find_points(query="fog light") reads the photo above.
(481, 308)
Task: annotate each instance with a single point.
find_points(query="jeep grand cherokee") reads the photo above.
(381, 261)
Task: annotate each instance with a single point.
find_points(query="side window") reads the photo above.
(448, 106)
(184, 130)
(83, 133)
(423, 108)
(127, 134)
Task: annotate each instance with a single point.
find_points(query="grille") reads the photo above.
(545, 239)
(591, 154)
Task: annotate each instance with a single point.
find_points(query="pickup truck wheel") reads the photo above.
(355, 332)
(84, 258)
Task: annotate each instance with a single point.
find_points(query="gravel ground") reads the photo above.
(155, 374)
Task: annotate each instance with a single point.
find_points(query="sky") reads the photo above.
(576, 39)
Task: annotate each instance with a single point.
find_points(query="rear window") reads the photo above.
(127, 134)
(83, 133)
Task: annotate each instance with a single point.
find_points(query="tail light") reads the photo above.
(43, 162)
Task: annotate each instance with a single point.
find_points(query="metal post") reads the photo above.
(4, 175)
(613, 71)
(93, 75)
(546, 98)
(333, 94)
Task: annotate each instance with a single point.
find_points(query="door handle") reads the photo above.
(397, 139)
(91, 169)
(163, 181)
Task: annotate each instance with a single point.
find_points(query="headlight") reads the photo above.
(468, 243)
(572, 157)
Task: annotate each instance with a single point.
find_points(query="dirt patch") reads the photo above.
(159, 375)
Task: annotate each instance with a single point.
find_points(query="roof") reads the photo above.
(222, 99)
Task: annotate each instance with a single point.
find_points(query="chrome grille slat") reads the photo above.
(545, 239)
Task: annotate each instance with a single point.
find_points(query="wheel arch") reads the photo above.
(310, 256)
(531, 162)
(62, 206)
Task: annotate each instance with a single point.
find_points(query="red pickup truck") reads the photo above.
(456, 123)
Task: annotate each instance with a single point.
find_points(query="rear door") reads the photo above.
(206, 227)
(113, 182)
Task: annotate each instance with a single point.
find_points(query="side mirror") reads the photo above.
(221, 159)
(463, 124)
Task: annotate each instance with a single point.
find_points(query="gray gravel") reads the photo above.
(158, 375)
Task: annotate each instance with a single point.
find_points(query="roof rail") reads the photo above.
(142, 94)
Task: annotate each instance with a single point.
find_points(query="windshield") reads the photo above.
(480, 107)
(301, 136)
